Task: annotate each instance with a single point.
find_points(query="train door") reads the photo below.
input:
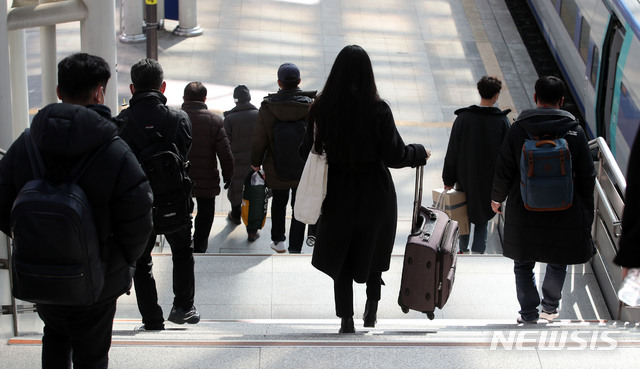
(610, 55)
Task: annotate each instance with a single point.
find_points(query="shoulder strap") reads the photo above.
(138, 133)
(89, 158)
(37, 164)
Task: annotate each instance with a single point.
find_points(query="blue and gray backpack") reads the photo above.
(546, 175)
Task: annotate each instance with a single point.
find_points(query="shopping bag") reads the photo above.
(312, 189)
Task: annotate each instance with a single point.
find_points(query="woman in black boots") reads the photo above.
(356, 231)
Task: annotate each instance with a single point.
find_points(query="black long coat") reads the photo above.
(629, 245)
(476, 138)
(559, 237)
(357, 229)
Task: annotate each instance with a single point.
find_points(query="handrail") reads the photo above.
(609, 198)
(615, 172)
(2, 152)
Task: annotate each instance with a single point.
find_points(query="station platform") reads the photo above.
(265, 310)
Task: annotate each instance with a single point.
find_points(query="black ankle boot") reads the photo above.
(370, 310)
(347, 326)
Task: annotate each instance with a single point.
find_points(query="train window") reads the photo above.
(585, 30)
(595, 64)
(568, 11)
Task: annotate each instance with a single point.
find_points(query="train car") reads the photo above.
(596, 45)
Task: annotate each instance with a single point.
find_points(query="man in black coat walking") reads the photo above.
(118, 192)
(557, 238)
(476, 138)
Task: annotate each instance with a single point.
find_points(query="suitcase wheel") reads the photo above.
(403, 307)
(430, 315)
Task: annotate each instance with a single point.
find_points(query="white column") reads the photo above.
(19, 85)
(6, 126)
(95, 39)
(131, 19)
(48, 62)
(188, 22)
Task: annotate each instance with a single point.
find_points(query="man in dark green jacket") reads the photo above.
(284, 111)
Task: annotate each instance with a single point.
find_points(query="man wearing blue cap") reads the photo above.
(279, 130)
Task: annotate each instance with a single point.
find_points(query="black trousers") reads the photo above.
(343, 292)
(278, 215)
(203, 223)
(81, 335)
(183, 277)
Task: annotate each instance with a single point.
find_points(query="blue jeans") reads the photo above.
(479, 239)
(527, 290)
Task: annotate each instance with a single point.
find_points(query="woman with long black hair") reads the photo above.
(357, 229)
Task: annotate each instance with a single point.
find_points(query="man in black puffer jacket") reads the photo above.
(150, 112)
(557, 238)
(117, 189)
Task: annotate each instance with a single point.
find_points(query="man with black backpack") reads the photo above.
(546, 220)
(277, 135)
(160, 136)
(81, 216)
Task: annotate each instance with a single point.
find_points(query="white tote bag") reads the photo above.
(312, 189)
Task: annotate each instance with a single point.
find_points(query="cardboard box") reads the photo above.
(455, 205)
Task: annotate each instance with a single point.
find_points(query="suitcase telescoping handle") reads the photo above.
(417, 199)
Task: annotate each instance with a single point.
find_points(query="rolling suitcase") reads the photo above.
(429, 264)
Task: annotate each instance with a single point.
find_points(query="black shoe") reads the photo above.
(181, 316)
(150, 327)
(347, 326)
(233, 219)
(295, 251)
(253, 236)
(370, 310)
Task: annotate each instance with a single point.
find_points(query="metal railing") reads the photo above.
(609, 195)
(13, 308)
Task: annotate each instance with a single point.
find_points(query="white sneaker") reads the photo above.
(549, 316)
(279, 247)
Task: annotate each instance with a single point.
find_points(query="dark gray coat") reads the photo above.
(239, 123)
(115, 184)
(559, 237)
(357, 228)
(476, 138)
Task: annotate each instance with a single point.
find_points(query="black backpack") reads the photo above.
(287, 138)
(167, 173)
(56, 253)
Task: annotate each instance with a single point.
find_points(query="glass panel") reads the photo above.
(568, 11)
(585, 29)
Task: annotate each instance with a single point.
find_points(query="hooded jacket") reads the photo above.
(238, 124)
(285, 106)
(558, 237)
(209, 141)
(474, 144)
(115, 184)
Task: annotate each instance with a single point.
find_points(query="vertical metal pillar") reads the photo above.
(151, 27)
(6, 138)
(19, 84)
(48, 62)
(97, 33)
(131, 20)
(188, 22)
(6, 127)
